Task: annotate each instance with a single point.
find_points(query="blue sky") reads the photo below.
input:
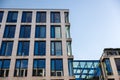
(95, 24)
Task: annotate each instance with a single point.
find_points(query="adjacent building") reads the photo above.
(110, 63)
(35, 44)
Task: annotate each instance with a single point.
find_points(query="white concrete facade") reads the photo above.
(32, 39)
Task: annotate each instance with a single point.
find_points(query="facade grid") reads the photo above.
(34, 44)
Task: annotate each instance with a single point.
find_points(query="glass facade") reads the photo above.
(4, 67)
(117, 61)
(55, 31)
(9, 31)
(1, 16)
(41, 17)
(12, 16)
(6, 48)
(69, 49)
(21, 68)
(66, 17)
(56, 67)
(87, 69)
(55, 17)
(40, 31)
(107, 66)
(40, 48)
(67, 31)
(70, 67)
(23, 48)
(56, 48)
(26, 17)
(39, 67)
(25, 31)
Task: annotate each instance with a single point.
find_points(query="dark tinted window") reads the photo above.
(55, 17)
(12, 16)
(6, 48)
(40, 31)
(41, 17)
(23, 48)
(9, 31)
(25, 31)
(1, 15)
(40, 48)
(26, 17)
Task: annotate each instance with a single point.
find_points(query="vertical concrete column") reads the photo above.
(3, 25)
(48, 45)
(65, 58)
(31, 47)
(15, 44)
(114, 69)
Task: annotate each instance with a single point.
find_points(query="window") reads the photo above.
(23, 48)
(107, 67)
(12, 16)
(67, 31)
(55, 31)
(1, 15)
(25, 31)
(56, 67)
(6, 48)
(40, 31)
(70, 67)
(55, 17)
(41, 17)
(117, 61)
(4, 67)
(56, 48)
(69, 50)
(40, 48)
(26, 17)
(39, 67)
(21, 68)
(66, 17)
(9, 31)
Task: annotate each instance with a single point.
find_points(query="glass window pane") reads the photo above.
(23, 48)
(12, 16)
(67, 31)
(24, 63)
(6, 64)
(26, 16)
(56, 65)
(117, 61)
(41, 17)
(6, 48)
(9, 31)
(1, 15)
(40, 31)
(69, 51)
(25, 31)
(55, 17)
(55, 32)
(40, 48)
(107, 67)
(56, 48)
(66, 17)
(0, 64)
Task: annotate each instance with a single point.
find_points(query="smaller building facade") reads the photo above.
(110, 63)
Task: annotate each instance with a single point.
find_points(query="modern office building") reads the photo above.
(110, 63)
(35, 44)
